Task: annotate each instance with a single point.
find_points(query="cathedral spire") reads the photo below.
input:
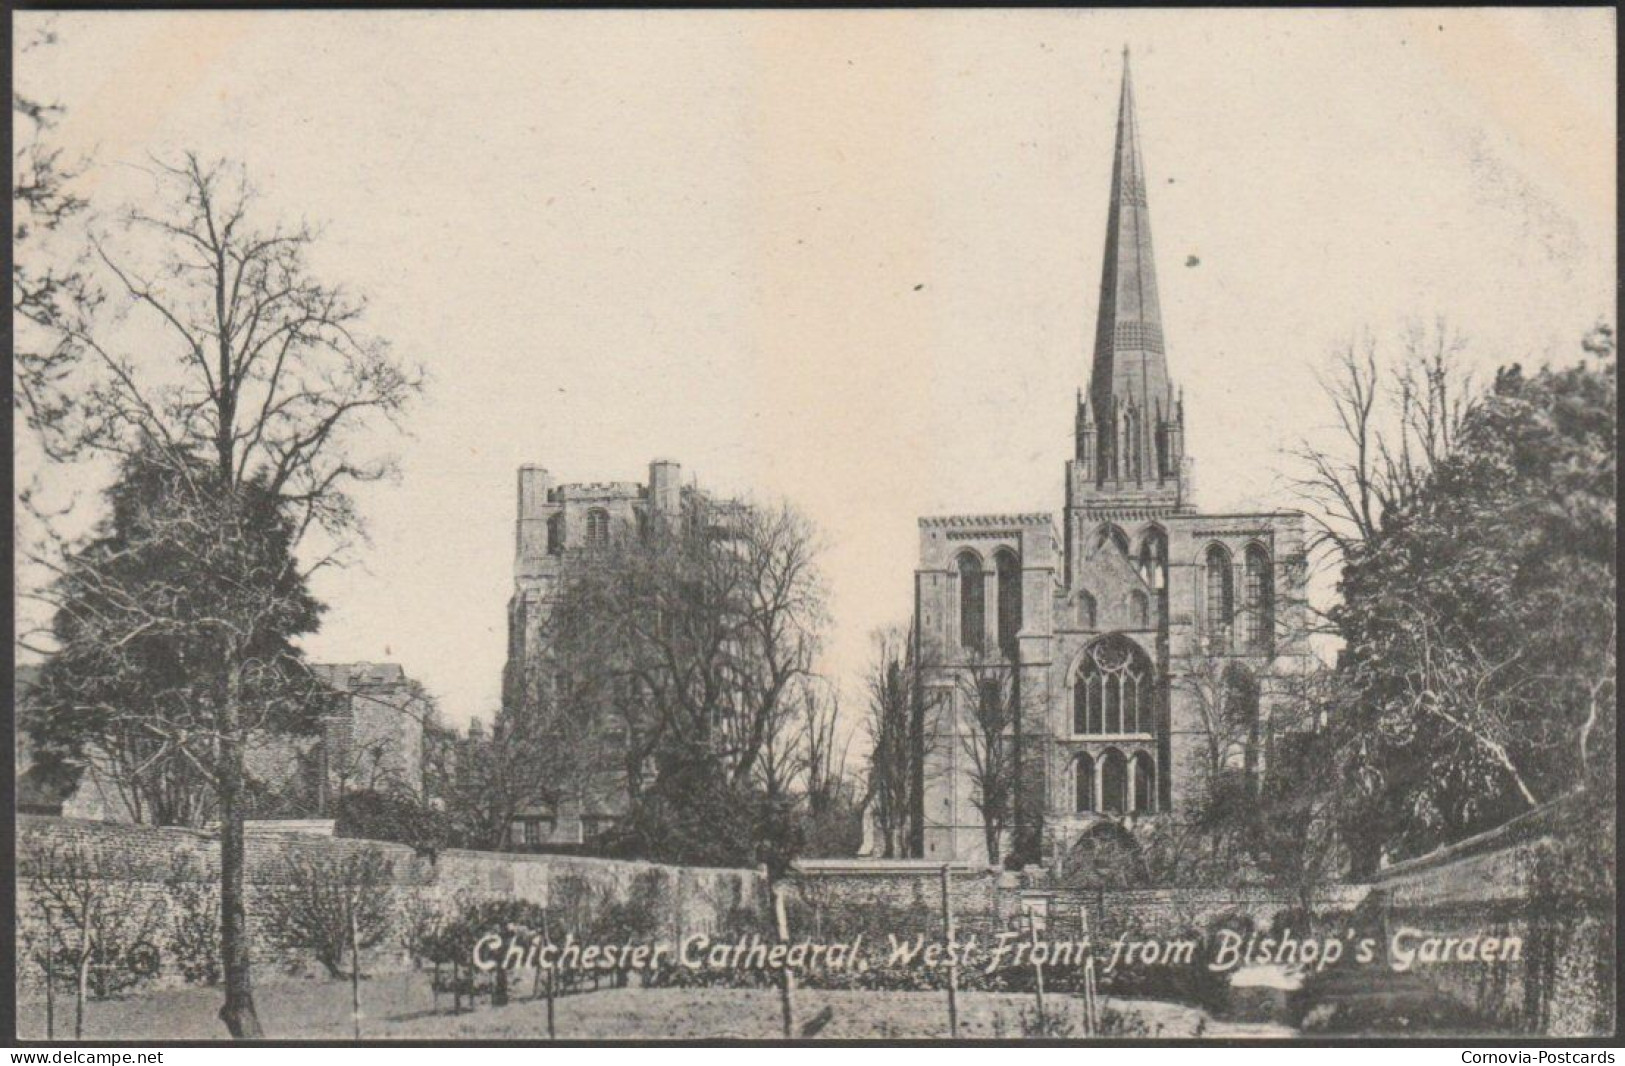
(1129, 363)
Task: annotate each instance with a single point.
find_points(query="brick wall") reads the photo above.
(148, 860)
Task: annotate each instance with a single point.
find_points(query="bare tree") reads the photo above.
(1394, 419)
(539, 754)
(94, 925)
(697, 638)
(900, 746)
(245, 378)
(803, 765)
(990, 737)
(334, 911)
(43, 202)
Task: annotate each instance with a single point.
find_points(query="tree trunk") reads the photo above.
(50, 992)
(355, 970)
(84, 981)
(915, 818)
(238, 1011)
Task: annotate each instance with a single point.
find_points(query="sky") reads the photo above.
(851, 259)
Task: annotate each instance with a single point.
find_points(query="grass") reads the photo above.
(401, 1007)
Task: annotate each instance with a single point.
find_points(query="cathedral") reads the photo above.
(1126, 658)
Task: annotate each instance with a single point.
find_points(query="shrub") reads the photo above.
(91, 927)
(389, 816)
(331, 910)
(194, 923)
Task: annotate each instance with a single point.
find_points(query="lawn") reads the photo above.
(401, 1007)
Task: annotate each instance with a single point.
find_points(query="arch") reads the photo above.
(1113, 535)
(1112, 689)
(1114, 795)
(597, 528)
(1219, 604)
(1139, 609)
(1105, 856)
(1008, 568)
(972, 601)
(1243, 699)
(1258, 599)
(1153, 557)
(1145, 783)
(1086, 609)
(1083, 783)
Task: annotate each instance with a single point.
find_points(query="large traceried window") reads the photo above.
(597, 528)
(972, 605)
(1009, 571)
(1219, 605)
(1258, 597)
(1113, 694)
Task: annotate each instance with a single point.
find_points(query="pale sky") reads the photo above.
(853, 258)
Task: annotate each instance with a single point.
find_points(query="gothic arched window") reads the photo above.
(972, 608)
(1110, 534)
(1083, 784)
(1086, 609)
(555, 534)
(597, 528)
(1139, 605)
(1113, 692)
(1009, 571)
(1243, 699)
(1154, 558)
(1258, 597)
(1220, 606)
(1145, 784)
(1114, 782)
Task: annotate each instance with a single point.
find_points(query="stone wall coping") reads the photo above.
(1524, 827)
(881, 867)
(267, 833)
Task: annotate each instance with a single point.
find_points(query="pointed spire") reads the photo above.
(1129, 362)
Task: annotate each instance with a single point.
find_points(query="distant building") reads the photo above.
(1107, 629)
(557, 525)
(370, 738)
(373, 737)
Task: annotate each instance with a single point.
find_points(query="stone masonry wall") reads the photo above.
(151, 862)
(1535, 879)
(1547, 879)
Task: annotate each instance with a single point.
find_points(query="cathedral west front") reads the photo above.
(1138, 645)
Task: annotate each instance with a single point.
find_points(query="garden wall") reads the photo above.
(986, 900)
(1546, 878)
(159, 869)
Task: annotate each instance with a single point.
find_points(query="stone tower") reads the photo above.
(556, 525)
(1113, 632)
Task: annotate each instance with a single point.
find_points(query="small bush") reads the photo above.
(313, 909)
(194, 924)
